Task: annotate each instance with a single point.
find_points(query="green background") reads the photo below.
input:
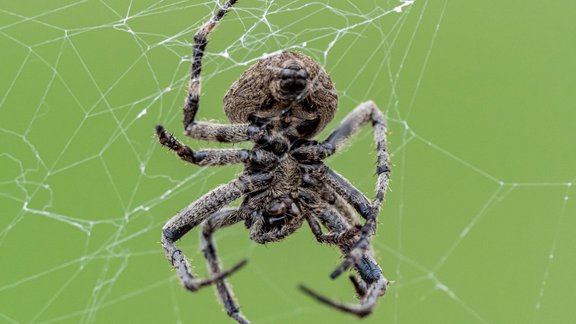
(478, 226)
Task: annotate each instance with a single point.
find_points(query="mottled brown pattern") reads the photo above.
(257, 92)
(279, 104)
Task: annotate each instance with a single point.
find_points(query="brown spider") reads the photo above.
(279, 104)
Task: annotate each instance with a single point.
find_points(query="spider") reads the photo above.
(279, 104)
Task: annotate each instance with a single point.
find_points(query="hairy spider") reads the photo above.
(279, 104)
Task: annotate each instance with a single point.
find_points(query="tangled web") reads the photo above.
(85, 188)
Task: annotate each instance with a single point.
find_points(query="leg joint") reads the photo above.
(174, 234)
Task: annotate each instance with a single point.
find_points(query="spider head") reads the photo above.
(289, 89)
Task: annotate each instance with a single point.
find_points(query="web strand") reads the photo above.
(85, 189)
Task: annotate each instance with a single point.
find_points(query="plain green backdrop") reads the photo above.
(478, 225)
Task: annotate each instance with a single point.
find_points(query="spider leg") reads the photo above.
(363, 309)
(196, 213)
(212, 156)
(361, 115)
(342, 220)
(356, 199)
(203, 157)
(344, 235)
(372, 284)
(223, 133)
(192, 101)
(367, 210)
(360, 287)
(339, 230)
(350, 125)
(344, 210)
(219, 220)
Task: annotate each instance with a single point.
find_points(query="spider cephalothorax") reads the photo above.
(279, 104)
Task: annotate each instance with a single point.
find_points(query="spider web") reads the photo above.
(478, 225)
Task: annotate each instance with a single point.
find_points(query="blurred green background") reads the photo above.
(478, 226)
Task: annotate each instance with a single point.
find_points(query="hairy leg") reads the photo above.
(344, 235)
(192, 102)
(196, 213)
(364, 113)
(334, 200)
(372, 284)
(217, 221)
(205, 130)
(361, 115)
(367, 210)
(222, 133)
(365, 307)
(321, 174)
(213, 156)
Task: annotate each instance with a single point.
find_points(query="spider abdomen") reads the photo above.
(288, 80)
